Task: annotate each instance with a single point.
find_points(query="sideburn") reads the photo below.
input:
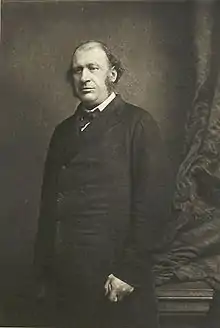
(110, 85)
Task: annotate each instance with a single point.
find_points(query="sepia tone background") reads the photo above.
(154, 42)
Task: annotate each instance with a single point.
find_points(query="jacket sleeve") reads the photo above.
(43, 250)
(151, 198)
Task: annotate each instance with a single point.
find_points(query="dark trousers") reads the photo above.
(77, 308)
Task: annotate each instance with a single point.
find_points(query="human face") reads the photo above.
(92, 75)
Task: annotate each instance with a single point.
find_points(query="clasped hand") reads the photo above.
(116, 289)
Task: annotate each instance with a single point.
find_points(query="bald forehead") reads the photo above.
(91, 50)
(90, 45)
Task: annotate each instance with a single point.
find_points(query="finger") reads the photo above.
(113, 296)
(113, 299)
(121, 293)
(131, 289)
(107, 286)
(108, 289)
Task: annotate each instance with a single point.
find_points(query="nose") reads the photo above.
(85, 75)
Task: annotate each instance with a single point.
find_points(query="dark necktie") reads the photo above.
(86, 117)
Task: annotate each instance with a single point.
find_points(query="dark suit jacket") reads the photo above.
(104, 199)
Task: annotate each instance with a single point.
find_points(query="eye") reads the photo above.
(77, 70)
(93, 68)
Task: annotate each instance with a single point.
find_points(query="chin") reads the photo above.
(88, 99)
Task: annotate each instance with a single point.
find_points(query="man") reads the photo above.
(104, 202)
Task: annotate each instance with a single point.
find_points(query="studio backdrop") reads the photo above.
(155, 44)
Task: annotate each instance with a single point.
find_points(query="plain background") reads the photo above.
(153, 41)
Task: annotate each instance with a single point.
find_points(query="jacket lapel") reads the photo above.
(78, 141)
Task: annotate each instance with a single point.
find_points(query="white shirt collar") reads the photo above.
(105, 103)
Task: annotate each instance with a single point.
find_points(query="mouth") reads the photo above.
(86, 90)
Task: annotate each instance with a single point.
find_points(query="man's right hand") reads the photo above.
(116, 289)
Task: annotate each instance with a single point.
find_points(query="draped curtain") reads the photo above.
(193, 252)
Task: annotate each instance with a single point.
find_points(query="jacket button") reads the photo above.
(64, 167)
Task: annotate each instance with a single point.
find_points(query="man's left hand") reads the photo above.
(116, 289)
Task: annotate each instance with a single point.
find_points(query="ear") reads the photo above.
(113, 75)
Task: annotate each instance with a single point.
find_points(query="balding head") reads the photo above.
(88, 45)
(112, 59)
